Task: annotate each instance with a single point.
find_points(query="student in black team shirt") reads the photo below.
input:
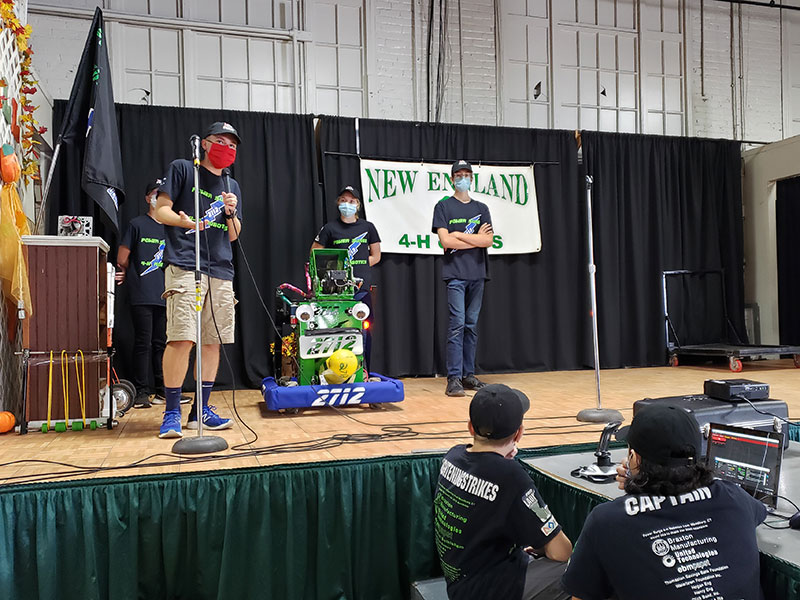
(677, 534)
(140, 262)
(464, 227)
(220, 225)
(363, 245)
(495, 536)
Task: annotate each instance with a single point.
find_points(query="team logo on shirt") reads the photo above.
(156, 261)
(473, 223)
(354, 244)
(211, 213)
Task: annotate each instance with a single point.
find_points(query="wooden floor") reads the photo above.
(426, 421)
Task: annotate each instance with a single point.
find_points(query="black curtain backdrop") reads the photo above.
(276, 168)
(661, 203)
(535, 308)
(787, 219)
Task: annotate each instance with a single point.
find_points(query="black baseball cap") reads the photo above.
(496, 411)
(151, 185)
(350, 190)
(220, 128)
(459, 165)
(666, 435)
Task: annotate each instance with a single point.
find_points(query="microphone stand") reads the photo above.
(598, 414)
(198, 444)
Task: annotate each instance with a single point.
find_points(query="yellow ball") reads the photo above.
(342, 364)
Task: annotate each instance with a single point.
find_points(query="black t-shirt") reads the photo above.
(700, 545)
(179, 186)
(466, 217)
(353, 237)
(146, 239)
(486, 510)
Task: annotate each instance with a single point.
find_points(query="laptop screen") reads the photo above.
(748, 457)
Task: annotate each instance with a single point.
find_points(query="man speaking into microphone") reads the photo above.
(220, 225)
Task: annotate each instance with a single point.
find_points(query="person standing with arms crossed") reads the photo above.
(464, 227)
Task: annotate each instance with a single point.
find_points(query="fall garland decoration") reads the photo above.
(29, 126)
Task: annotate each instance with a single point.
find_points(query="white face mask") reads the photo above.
(153, 200)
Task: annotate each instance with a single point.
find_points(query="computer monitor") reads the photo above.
(748, 457)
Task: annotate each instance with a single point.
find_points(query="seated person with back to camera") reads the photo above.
(488, 514)
(677, 534)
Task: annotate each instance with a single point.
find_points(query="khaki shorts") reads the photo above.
(179, 290)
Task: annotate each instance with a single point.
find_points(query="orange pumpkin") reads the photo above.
(7, 421)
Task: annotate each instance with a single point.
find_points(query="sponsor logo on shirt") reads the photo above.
(549, 527)
(530, 500)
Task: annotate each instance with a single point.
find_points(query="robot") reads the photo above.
(319, 359)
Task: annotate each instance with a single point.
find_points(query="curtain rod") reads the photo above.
(507, 163)
(770, 4)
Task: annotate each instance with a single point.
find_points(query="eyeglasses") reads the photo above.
(222, 142)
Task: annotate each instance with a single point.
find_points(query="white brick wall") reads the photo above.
(712, 114)
(480, 67)
(57, 44)
(391, 81)
(399, 59)
(396, 58)
(762, 74)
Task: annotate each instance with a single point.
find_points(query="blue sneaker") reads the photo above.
(171, 426)
(211, 420)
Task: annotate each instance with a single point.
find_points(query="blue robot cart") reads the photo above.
(291, 398)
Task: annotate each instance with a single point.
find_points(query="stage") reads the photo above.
(426, 421)
(318, 507)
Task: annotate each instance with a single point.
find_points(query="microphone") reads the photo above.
(226, 186)
(195, 144)
(226, 181)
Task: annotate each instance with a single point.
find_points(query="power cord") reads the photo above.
(766, 413)
(222, 346)
(388, 433)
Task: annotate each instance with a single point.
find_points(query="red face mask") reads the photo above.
(221, 155)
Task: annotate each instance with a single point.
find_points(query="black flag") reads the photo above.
(89, 128)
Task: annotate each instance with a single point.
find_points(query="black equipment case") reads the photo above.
(740, 414)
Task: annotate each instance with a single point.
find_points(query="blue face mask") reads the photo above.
(462, 185)
(347, 209)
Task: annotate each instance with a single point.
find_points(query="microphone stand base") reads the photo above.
(205, 444)
(599, 415)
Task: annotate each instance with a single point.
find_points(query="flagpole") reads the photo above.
(46, 192)
(199, 444)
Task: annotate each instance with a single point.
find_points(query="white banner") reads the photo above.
(399, 198)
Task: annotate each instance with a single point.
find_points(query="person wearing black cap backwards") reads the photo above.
(220, 226)
(142, 248)
(677, 534)
(464, 227)
(363, 244)
(495, 536)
